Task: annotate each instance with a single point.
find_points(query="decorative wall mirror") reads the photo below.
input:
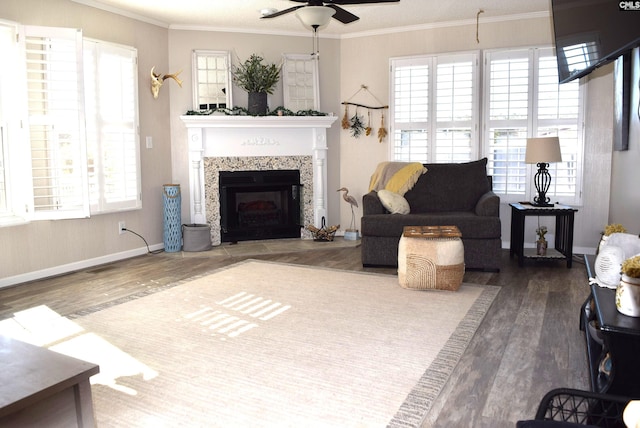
(301, 87)
(211, 79)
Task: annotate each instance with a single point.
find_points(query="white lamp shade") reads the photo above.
(545, 149)
(315, 16)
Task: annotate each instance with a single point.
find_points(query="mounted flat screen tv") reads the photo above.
(591, 33)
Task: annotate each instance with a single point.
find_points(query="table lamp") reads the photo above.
(542, 151)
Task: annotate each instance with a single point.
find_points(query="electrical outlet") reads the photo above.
(121, 227)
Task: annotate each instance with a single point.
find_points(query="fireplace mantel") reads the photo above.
(225, 121)
(255, 137)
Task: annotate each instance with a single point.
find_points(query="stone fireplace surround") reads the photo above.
(233, 143)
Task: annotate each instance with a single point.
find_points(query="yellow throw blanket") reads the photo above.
(397, 177)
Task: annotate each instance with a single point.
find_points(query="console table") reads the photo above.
(563, 234)
(42, 388)
(613, 342)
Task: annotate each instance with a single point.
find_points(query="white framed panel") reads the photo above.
(301, 87)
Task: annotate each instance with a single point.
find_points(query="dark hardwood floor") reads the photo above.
(528, 343)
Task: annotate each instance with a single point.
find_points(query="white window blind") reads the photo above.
(525, 100)
(301, 88)
(434, 108)
(112, 124)
(56, 122)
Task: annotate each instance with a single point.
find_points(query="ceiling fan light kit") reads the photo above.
(321, 9)
(315, 16)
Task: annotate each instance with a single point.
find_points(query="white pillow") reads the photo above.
(394, 202)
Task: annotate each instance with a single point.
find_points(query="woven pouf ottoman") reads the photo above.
(431, 257)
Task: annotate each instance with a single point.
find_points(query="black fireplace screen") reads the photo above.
(260, 205)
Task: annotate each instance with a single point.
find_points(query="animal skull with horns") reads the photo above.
(157, 80)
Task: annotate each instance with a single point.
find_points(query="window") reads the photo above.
(56, 122)
(523, 99)
(434, 112)
(212, 79)
(112, 126)
(70, 146)
(300, 80)
(8, 47)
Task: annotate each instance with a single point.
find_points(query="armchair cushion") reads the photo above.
(449, 187)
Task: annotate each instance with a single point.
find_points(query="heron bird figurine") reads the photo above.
(353, 203)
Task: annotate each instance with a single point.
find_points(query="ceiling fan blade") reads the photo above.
(346, 2)
(282, 12)
(342, 15)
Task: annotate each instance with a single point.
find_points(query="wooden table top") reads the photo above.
(29, 374)
(431, 232)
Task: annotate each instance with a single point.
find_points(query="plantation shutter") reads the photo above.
(507, 106)
(456, 127)
(56, 122)
(112, 124)
(525, 100)
(559, 114)
(434, 108)
(410, 109)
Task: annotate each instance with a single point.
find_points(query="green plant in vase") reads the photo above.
(628, 291)
(541, 243)
(258, 80)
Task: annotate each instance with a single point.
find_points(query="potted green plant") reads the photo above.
(541, 243)
(258, 80)
(628, 291)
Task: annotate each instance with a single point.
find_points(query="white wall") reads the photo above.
(46, 248)
(364, 64)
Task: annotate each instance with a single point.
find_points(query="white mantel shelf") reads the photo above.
(255, 137)
(225, 121)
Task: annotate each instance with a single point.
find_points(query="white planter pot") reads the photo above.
(628, 296)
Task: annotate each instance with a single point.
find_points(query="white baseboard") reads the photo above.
(72, 267)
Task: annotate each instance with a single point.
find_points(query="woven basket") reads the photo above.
(430, 263)
(424, 274)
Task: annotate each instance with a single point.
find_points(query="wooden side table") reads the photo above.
(563, 234)
(39, 387)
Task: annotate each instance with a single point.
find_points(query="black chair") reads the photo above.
(565, 407)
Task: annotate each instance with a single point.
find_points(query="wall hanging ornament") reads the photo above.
(355, 123)
(157, 80)
(357, 128)
(345, 119)
(382, 132)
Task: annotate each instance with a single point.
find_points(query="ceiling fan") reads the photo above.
(338, 13)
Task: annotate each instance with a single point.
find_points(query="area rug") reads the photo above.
(261, 344)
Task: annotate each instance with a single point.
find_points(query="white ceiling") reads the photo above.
(234, 15)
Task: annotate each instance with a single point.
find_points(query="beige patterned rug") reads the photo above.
(262, 344)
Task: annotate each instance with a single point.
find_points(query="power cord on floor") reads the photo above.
(145, 242)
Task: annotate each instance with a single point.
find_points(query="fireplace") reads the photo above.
(234, 143)
(260, 204)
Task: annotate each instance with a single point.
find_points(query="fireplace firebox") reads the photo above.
(258, 205)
